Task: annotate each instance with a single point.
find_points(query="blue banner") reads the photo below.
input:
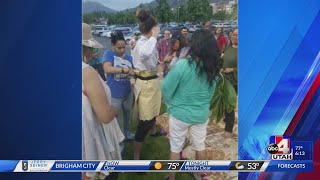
(8, 165)
(290, 166)
(75, 165)
(302, 150)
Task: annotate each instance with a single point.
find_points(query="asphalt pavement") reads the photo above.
(106, 43)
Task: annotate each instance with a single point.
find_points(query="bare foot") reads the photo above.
(227, 135)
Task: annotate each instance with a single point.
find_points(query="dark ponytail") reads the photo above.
(146, 21)
(117, 36)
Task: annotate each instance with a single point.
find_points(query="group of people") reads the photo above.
(179, 71)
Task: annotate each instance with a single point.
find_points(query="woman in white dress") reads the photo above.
(101, 133)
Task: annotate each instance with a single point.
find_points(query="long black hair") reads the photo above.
(117, 36)
(177, 36)
(205, 52)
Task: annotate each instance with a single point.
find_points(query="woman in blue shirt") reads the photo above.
(118, 67)
(187, 90)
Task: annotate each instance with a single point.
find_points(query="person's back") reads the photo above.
(191, 96)
(188, 89)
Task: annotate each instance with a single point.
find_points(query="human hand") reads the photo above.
(228, 70)
(174, 54)
(160, 68)
(130, 72)
(168, 58)
(155, 31)
(85, 177)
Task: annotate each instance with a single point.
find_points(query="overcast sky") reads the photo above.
(121, 4)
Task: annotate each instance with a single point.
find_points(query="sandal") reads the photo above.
(204, 176)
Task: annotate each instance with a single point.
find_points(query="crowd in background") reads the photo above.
(176, 70)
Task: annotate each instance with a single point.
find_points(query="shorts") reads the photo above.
(178, 132)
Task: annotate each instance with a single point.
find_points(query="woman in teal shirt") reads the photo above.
(187, 90)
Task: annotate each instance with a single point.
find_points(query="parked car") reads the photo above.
(107, 34)
(100, 30)
(124, 30)
(128, 37)
(218, 25)
(194, 28)
(233, 25)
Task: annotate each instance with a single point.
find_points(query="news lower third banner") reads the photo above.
(155, 166)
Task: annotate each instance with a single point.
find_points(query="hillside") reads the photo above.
(91, 6)
(176, 3)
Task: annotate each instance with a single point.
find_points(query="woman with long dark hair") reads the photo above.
(179, 48)
(187, 90)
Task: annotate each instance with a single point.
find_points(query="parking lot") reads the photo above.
(106, 42)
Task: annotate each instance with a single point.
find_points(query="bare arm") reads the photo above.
(108, 68)
(104, 111)
(223, 48)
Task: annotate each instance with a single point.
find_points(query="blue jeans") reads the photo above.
(124, 106)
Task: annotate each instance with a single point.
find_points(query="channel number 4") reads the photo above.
(284, 146)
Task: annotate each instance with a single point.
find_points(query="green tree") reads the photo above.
(152, 11)
(234, 13)
(183, 15)
(220, 15)
(199, 10)
(88, 18)
(163, 11)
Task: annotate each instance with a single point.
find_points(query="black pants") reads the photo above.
(230, 117)
(143, 129)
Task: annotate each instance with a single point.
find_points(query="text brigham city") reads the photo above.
(75, 166)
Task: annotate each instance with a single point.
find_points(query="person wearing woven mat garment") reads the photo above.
(146, 89)
(187, 91)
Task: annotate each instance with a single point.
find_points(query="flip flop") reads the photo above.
(202, 176)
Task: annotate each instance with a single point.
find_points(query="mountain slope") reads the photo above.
(176, 3)
(90, 6)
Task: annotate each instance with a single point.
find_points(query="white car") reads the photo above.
(100, 30)
(130, 36)
(107, 34)
(218, 25)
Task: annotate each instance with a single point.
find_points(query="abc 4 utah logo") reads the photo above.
(280, 148)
